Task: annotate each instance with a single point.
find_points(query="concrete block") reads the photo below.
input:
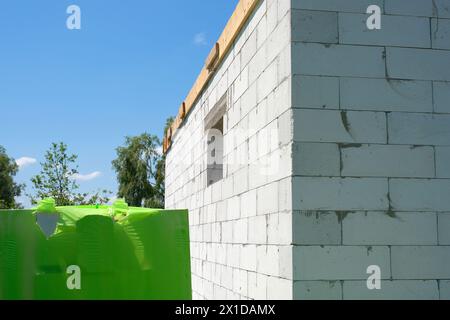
(387, 161)
(268, 260)
(336, 5)
(286, 262)
(233, 208)
(207, 195)
(227, 277)
(279, 228)
(257, 65)
(257, 176)
(284, 64)
(316, 228)
(211, 213)
(441, 97)
(418, 64)
(338, 60)
(285, 195)
(386, 95)
(315, 92)
(314, 26)
(440, 33)
(248, 50)
(419, 195)
(272, 15)
(282, 97)
(240, 231)
(443, 162)
(419, 129)
(442, 8)
(219, 292)
(259, 116)
(317, 290)
(256, 16)
(243, 283)
(252, 151)
(248, 257)
(421, 263)
(378, 228)
(339, 126)
(216, 232)
(285, 130)
(234, 69)
(257, 286)
(233, 255)
(241, 84)
(279, 38)
(208, 288)
(221, 211)
(398, 31)
(248, 204)
(273, 130)
(392, 290)
(316, 159)
(227, 232)
(444, 228)
(279, 289)
(283, 8)
(216, 192)
(221, 252)
(261, 32)
(207, 233)
(257, 230)
(444, 286)
(278, 164)
(266, 202)
(339, 263)
(241, 178)
(248, 100)
(421, 8)
(267, 81)
(340, 194)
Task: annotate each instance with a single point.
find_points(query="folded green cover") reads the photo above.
(95, 252)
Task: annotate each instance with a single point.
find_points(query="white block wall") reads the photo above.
(337, 156)
(371, 149)
(240, 227)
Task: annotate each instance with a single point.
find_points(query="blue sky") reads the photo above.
(124, 73)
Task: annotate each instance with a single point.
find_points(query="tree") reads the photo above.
(136, 166)
(9, 190)
(157, 201)
(160, 176)
(97, 197)
(56, 180)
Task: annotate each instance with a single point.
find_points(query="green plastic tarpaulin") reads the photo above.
(95, 253)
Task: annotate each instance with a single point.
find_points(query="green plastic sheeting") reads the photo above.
(120, 252)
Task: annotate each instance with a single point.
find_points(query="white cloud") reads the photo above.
(25, 162)
(159, 150)
(87, 177)
(200, 39)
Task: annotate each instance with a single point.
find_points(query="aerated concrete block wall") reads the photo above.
(336, 156)
(241, 226)
(371, 154)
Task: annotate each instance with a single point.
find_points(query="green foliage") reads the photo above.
(56, 180)
(169, 122)
(8, 188)
(139, 171)
(160, 176)
(87, 199)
